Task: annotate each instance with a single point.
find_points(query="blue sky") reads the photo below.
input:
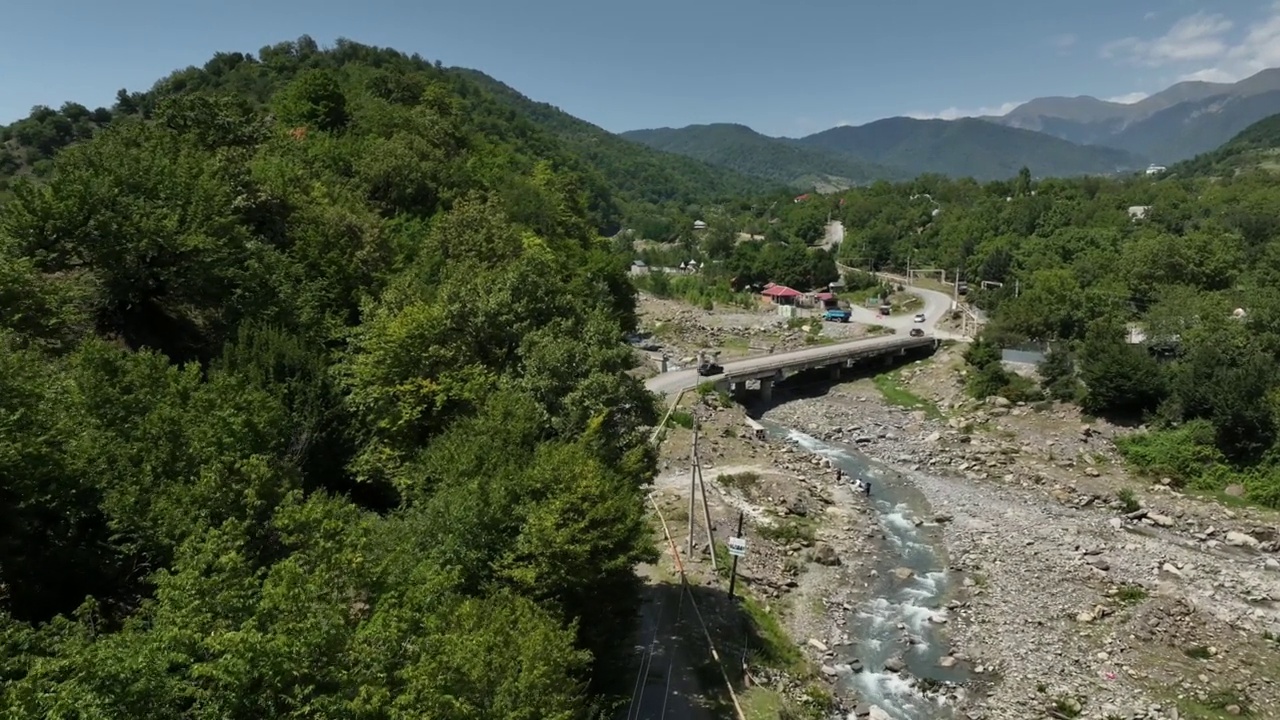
(782, 68)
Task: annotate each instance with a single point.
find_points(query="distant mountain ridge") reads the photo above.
(1177, 123)
(741, 149)
(890, 149)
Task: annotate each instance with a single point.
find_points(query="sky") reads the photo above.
(782, 68)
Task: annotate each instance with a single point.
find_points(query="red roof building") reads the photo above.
(781, 294)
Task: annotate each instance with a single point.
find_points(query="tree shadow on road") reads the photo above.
(676, 671)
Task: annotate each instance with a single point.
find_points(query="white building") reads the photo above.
(1155, 169)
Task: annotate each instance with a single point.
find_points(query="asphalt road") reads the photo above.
(672, 382)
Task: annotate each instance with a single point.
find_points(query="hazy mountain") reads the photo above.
(968, 147)
(1176, 123)
(739, 148)
(891, 149)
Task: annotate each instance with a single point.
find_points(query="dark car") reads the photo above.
(710, 368)
(916, 332)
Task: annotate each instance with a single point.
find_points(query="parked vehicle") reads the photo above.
(709, 368)
(916, 332)
(885, 309)
(837, 315)
(919, 317)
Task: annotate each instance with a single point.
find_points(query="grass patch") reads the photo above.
(740, 481)
(789, 530)
(1130, 501)
(761, 703)
(1214, 706)
(776, 648)
(1131, 594)
(879, 330)
(681, 418)
(890, 386)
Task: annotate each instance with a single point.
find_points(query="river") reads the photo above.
(903, 618)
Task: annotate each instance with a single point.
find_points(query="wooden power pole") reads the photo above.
(693, 483)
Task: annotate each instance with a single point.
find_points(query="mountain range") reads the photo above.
(1053, 136)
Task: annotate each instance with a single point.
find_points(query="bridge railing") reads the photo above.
(835, 352)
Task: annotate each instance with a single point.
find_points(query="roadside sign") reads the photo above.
(737, 546)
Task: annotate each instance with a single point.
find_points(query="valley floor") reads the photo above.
(1082, 591)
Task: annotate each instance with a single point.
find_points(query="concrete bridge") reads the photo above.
(768, 369)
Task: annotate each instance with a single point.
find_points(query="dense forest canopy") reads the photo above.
(313, 403)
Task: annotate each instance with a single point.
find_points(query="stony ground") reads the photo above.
(1090, 592)
(1087, 604)
(681, 331)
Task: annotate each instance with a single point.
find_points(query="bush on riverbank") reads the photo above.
(695, 290)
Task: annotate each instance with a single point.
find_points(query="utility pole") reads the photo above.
(706, 514)
(733, 574)
(693, 484)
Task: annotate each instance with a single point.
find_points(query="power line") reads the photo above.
(671, 659)
(637, 692)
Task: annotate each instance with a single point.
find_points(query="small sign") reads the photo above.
(737, 546)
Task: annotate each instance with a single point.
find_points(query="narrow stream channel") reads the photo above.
(904, 617)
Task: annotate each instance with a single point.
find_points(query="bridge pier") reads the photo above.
(835, 371)
(766, 390)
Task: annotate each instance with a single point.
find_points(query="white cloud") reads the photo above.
(1203, 46)
(1196, 37)
(1128, 98)
(1064, 41)
(953, 113)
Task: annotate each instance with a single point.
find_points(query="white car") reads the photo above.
(919, 317)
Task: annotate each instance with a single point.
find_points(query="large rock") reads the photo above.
(1239, 539)
(878, 714)
(824, 554)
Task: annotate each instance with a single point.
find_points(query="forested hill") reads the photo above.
(637, 172)
(1257, 146)
(642, 181)
(262, 335)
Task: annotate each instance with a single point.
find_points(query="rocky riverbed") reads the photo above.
(1081, 599)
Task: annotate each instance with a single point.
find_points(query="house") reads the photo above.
(801, 198)
(780, 294)
(1138, 212)
(699, 225)
(1154, 169)
(825, 300)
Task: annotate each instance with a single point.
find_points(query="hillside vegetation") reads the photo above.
(1255, 147)
(645, 187)
(313, 404)
(1080, 275)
